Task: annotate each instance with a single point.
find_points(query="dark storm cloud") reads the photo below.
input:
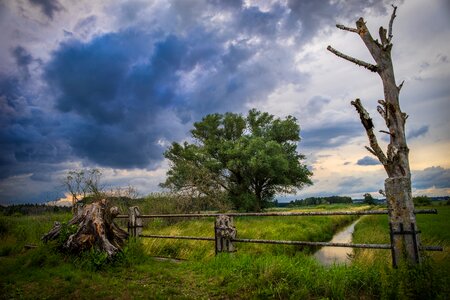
(330, 135)
(23, 59)
(315, 14)
(234, 4)
(118, 97)
(29, 136)
(356, 185)
(350, 183)
(414, 133)
(367, 161)
(431, 177)
(48, 7)
(253, 21)
(316, 104)
(117, 83)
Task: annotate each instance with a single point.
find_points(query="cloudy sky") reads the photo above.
(110, 84)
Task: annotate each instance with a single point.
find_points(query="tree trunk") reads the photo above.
(402, 220)
(96, 229)
(395, 161)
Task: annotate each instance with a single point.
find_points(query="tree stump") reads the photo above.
(96, 229)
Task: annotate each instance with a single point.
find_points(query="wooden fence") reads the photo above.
(225, 233)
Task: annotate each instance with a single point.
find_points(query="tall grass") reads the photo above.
(428, 281)
(17, 231)
(273, 228)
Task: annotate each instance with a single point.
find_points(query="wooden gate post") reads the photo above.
(402, 222)
(134, 221)
(224, 232)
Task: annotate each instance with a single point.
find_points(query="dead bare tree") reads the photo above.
(395, 161)
(83, 183)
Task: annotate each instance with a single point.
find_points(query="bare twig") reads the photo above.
(400, 86)
(370, 150)
(384, 131)
(361, 63)
(391, 21)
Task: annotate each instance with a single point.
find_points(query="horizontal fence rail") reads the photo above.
(281, 242)
(225, 231)
(179, 237)
(274, 214)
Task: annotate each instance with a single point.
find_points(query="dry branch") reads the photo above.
(391, 22)
(368, 125)
(361, 63)
(342, 27)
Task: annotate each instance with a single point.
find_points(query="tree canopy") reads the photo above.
(245, 159)
(368, 199)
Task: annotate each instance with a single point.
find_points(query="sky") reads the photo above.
(111, 84)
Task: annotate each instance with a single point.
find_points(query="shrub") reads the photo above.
(422, 200)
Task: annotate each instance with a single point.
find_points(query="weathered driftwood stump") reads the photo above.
(96, 229)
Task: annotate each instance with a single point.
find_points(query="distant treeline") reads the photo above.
(31, 209)
(320, 200)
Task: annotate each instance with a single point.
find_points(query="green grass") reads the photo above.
(17, 231)
(275, 228)
(251, 273)
(375, 229)
(432, 279)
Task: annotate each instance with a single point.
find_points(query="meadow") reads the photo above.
(254, 271)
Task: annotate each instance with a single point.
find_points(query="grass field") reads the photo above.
(253, 272)
(280, 228)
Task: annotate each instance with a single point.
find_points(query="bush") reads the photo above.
(422, 200)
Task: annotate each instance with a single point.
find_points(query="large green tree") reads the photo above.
(246, 159)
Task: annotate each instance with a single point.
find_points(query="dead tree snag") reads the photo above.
(395, 161)
(95, 229)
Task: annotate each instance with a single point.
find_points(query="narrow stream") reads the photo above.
(337, 255)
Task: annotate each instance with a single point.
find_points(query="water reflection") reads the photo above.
(337, 255)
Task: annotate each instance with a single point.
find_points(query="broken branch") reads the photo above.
(368, 125)
(346, 28)
(370, 150)
(383, 38)
(391, 21)
(361, 63)
(400, 86)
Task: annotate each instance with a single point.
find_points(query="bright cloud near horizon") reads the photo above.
(110, 84)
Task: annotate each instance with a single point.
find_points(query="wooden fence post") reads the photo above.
(134, 221)
(224, 232)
